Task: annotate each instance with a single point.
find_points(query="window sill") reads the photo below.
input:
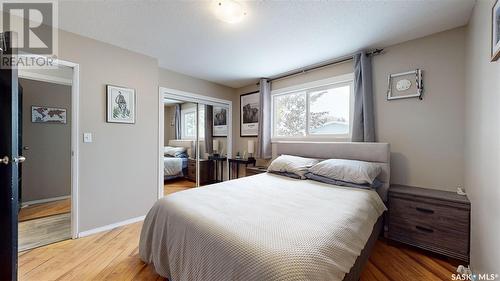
(305, 140)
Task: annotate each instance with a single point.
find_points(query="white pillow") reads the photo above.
(292, 164)
(352, 171)
(174, 151)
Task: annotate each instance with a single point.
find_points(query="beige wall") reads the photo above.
(47, 172)
(426, 137)
(423, 134)
(177, 81)
(482, 144)
(118, 172)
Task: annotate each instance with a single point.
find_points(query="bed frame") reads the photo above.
(362, 151)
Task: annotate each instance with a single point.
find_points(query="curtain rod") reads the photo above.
(322, 65)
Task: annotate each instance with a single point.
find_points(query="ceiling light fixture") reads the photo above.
(229, 11)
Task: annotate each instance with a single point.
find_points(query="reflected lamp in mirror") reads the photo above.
(215, 147)
(251, 149)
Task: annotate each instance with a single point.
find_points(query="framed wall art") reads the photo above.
(44, 114)
(405, 85)
(219, 122)
(120, 105)
(495, 31)
(249, 114)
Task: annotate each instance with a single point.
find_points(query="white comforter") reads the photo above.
(263, 227)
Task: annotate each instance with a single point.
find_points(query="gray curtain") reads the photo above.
(177, 122)
(363, 128)
(264, 138)
(209, 144)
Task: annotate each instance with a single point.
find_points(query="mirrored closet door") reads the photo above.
(212, 143)
(180, 154)
(196, 136)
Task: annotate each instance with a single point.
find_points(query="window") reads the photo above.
(319, 109)
(188, 123)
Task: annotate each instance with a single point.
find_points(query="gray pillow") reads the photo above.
(353, 171)
(285, 174)
(376, 183)
(292, 164)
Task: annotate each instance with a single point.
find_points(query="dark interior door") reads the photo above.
(9, 158)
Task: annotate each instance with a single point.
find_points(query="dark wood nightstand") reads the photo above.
(234, 166)
(434, 220)
(250, 171)
(206, 171)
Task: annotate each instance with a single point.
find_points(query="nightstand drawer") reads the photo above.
(434, 220)
(440, 216)
(451, 241)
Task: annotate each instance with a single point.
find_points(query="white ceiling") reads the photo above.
(275, 36)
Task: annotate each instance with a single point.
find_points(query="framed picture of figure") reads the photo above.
(220, 122)
(249, 114)
(120, 105)
(495, 31)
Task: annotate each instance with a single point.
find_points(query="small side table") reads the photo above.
(219, 162)
(234, 166)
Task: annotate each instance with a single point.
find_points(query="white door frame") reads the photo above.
(167, 93)
(75, 94)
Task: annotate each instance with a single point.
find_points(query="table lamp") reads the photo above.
(251, 149)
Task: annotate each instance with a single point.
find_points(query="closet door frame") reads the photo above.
(168, 93)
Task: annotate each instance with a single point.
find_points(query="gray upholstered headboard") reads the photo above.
(363, 151)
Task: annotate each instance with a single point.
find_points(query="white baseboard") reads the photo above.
(46, 200)
(110, 226)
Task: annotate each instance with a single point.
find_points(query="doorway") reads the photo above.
(48, 124)
(195, 140)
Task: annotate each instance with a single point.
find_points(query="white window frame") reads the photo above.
(196, 125)
(339, 81)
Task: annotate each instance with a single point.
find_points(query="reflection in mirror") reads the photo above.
(213, 123)
(179, 155)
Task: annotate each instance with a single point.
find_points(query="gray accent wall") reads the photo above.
(482, 141)
(47, 170)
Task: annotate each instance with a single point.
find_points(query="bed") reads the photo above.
(176, 167)
(269, 227)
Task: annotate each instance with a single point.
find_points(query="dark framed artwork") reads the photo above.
(220, 127)
(249, 114)
(120, 104)
(495, 31)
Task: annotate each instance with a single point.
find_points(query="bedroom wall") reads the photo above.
(426, 137)
(113, 186)
(119, 169)
(420, 132)
(482, 141)
(47, 173)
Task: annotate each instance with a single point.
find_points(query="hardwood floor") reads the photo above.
(176, 185)
(45, 209)
(43, 231)
(114, 255)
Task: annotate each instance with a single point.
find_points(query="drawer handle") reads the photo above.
(423, 210)
(425, 229)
